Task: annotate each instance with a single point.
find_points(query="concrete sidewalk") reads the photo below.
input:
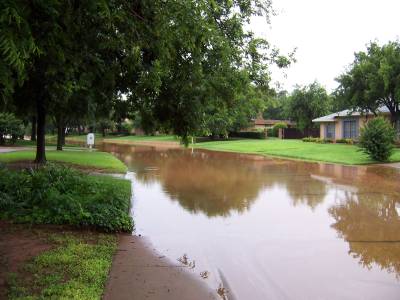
(11, 149)
(138, 273)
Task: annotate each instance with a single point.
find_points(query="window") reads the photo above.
(330, 131)
(350, 129)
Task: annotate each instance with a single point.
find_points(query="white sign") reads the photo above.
(90, 139)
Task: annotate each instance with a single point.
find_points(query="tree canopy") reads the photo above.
(373, 79)
(174, 62)
(307, 103)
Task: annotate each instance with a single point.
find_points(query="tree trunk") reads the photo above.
(103, 131)
(33, 132)
(60, 133)
(59, 137)
(79, 130)
(41, 126)
(63, 135)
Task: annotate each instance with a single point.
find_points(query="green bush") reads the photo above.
(317, 140)
(377, 139)
(11, 128)
(60, 195)
(310, 139)
(345, 141)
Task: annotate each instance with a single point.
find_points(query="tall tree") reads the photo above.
(307, 103)
(17, 46)
(373, 80)
(276, 105)
(171, 59)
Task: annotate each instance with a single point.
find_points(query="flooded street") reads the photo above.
(260, 228)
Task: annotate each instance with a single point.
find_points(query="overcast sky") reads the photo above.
(326, 34)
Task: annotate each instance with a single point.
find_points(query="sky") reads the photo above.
(326, 34)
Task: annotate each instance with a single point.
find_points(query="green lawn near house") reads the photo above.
(146, 138)
(88, 159)
(297, 149)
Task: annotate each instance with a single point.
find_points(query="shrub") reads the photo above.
(345, 141)
(377, 139)
(310, 139)
(60, 195)
(11, 128)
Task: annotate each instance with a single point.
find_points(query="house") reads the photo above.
(346, 124)
(261, 123)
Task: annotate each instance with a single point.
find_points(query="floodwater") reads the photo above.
(260, 228)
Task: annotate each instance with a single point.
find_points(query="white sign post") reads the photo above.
(90, 140)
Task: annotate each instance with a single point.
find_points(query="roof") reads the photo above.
(348, 113)
(260, 121)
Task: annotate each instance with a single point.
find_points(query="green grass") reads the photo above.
(335, 153)
(147, 138)
(76, 268)
(95, 159)
(28, 143)
(60, 195)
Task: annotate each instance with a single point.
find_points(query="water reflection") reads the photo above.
(260, 217)
(218, 184)
(366, 213)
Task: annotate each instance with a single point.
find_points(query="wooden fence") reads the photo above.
(294, 133)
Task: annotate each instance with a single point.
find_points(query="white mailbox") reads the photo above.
(90, 140)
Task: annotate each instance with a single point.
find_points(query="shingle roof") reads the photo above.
(346, 113)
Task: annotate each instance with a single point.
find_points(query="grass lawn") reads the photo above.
(75, 267)
(95, 159)
(335, 153)
(51, 143)
(147, 138)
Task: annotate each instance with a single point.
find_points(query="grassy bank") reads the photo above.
(60, 195)
(100, 161)
(146, 138)
(334, 153)
(74, 265)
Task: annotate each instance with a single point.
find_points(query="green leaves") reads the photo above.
(59, 195)
(373, 79)
(11, 128)
(307, 103)
(377, 139)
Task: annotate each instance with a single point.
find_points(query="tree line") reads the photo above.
(372, 81)
(185, 66)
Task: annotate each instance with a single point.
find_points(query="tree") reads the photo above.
(17, 45)
(373, 81)
(276, 105)
(198, 63)
(171, 60)
(307, 103)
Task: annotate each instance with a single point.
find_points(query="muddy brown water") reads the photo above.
(260, 228)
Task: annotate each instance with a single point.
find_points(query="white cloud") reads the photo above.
(326, 34)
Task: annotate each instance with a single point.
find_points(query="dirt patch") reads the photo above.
(17, 246)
